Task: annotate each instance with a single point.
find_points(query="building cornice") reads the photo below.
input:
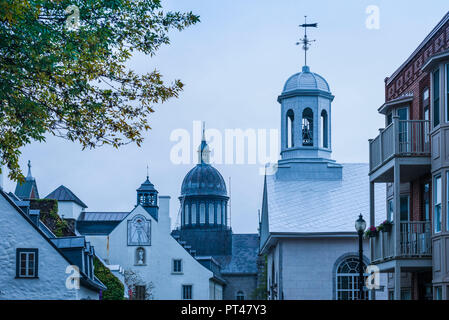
(421, 46)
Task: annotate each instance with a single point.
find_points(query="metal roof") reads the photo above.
(27, 190)
(99, 223)
(306, 80)
(102, 216)
(63, 193)
(203, 179)
(310, 206)
(69, 242)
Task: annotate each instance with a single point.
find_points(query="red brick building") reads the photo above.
(411, 155)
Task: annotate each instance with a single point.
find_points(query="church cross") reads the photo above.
(305, 41)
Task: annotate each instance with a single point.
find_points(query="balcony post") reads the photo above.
(397, 281)
(381, 145)
(397, 208)
(371, 215)
(396, 134)
(370, 155)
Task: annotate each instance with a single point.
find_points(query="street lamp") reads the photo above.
(360, 226)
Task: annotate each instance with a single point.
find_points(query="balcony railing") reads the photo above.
(404, 138)
(414, 242)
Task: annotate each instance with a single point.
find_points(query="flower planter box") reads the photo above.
(373, 234)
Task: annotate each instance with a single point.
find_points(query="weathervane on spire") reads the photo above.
(148, 175)
(305, 41)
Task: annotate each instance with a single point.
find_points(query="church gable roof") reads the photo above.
(321, 206)
(27, 190)
(63, 193)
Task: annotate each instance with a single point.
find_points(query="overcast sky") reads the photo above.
(234, 65)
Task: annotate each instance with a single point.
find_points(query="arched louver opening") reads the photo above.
(324, 130)
(307, 127)
(290, 130)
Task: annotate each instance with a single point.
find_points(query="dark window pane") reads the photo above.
(436, 98)
(404, 209)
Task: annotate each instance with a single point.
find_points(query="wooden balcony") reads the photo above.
(413, 243)
(407, 139)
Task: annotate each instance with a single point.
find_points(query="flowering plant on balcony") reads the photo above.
(385, 226)
(371, 232)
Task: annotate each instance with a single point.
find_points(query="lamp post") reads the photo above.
(360, 226)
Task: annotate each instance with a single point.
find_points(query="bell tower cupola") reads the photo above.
(306, 131)
(306, 112)
(147, 197)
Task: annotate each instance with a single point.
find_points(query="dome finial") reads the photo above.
(203, 137)
(305, 41)
(29, 175)
(203, 150)
(148, 176)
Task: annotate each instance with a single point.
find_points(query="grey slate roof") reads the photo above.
(63, 193)
(322, 206)
(245, 249)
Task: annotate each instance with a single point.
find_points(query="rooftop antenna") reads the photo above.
(305, 41)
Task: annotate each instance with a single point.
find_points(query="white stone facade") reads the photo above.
(305, 269)
(16, 232)
(157, 268)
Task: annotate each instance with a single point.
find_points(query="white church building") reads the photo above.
(310, 203)
(139, 242)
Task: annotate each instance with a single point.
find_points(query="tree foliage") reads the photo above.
(63, 71)
(115, 289)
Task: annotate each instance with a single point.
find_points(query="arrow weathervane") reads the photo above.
(305, 41)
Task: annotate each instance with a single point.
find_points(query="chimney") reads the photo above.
(164, 212)
(35, 216)
(24, 206)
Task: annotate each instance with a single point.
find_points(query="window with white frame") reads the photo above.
(447, 201)
(438, 293)
(437, 205)
(240, 295)
(27, 263)
(187, 292)
(219, 214)
(348, 279)
(447, 92)
(177, 265)
(427, 201)
(211, 213)
(186, 214)
(193, 213)
(390, 213)
(202, 213)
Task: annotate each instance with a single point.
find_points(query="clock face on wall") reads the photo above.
(139, 231)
